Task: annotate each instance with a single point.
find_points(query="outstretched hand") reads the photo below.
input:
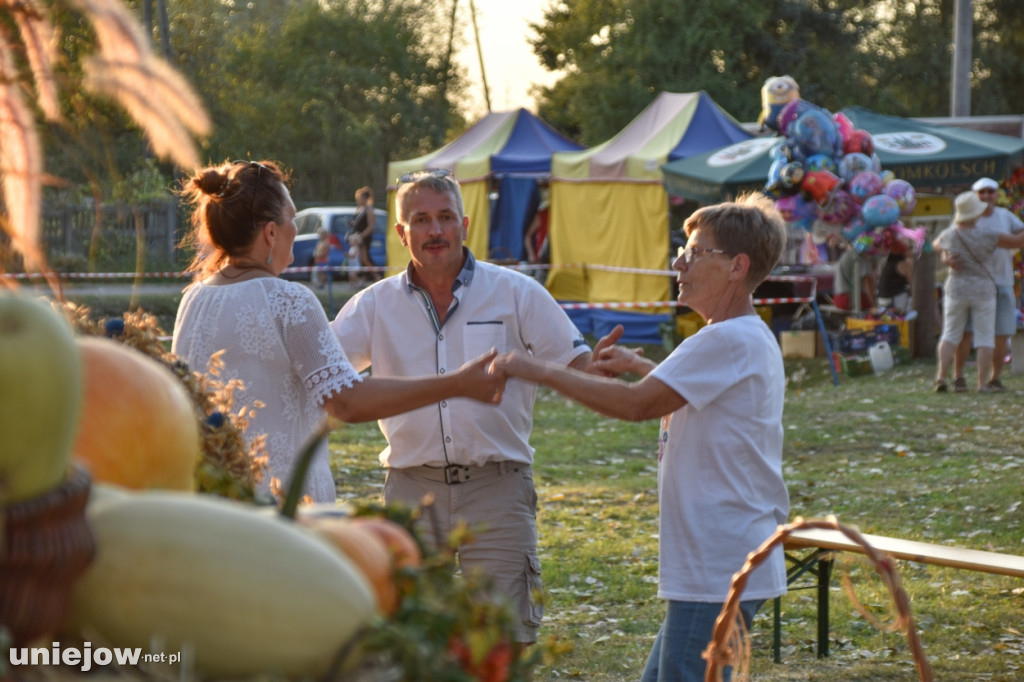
(611, 360)
(481, 380)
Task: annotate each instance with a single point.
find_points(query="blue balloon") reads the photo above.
(822, 162)
(855, 227)
(774, 181)
(779, 152)
(815, 132)
(792, 174)
(880, 211)
(853, 163)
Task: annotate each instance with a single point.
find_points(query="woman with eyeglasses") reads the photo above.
(273, 335)
(719, 397)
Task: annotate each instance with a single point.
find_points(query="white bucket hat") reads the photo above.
(968, 207)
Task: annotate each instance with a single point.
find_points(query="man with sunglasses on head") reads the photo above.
(1000, 265)
(475, 464)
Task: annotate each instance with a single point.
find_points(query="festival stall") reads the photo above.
(505, 153)
(826, 174)
(609, 225)
(929, 156)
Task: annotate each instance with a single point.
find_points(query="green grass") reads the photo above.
(884, 454)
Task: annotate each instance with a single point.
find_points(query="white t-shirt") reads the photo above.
(278, 342)
(391, 326)
(720, 480)
(1001, 221)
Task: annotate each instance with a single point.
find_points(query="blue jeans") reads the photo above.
(684, 634)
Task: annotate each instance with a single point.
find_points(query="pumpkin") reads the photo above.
(139, 427)
(366, 550)
(400, 543)
(247, 594)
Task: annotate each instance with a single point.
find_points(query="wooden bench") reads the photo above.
(824, 543)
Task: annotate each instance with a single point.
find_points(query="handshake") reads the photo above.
(485, 376)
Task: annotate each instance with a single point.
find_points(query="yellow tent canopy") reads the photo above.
(609, 206)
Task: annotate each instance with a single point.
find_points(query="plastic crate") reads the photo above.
(896, 332)
(856, 365)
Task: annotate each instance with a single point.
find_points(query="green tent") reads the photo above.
(928, 156)
(721, 173)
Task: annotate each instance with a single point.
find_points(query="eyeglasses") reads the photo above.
(428, 173)
(986, 191)
(692, 253)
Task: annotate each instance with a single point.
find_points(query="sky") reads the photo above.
(509, 63)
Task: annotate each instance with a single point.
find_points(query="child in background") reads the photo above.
(321, 258)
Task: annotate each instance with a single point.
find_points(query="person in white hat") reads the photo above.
(969, 288)
(1001, 220)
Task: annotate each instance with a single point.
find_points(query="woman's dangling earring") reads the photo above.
(269, 256)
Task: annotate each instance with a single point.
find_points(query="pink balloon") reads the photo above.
(844, 124)
(865, 185)
(840, 208)
(916, 236)
(904, 194)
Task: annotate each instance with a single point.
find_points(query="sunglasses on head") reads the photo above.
(429, 173)
(259, 171)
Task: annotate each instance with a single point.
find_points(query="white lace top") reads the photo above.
(278, 342)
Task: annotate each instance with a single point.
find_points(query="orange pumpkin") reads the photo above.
(366, 550)
(400, 543)
(139, 427)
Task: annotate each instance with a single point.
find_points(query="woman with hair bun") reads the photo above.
(274, 334)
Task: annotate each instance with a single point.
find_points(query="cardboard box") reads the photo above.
(798, 344)
(819, 346)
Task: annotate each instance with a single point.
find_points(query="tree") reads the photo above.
(117, 63)
(618, 54)
(886, 55)
(332, 89)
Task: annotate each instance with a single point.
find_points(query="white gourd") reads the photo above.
(246, 594)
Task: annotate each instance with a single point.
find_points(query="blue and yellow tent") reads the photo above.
(501, 156)
(609, 205)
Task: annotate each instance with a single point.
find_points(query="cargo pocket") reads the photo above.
(533, 607)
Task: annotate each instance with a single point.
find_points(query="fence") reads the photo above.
(115, 237)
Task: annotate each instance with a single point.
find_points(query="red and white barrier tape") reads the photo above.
(519, 266)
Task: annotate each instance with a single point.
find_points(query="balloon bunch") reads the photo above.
(827, 170)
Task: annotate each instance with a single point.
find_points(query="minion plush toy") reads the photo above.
(777, 92)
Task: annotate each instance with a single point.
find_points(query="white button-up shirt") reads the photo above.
(393, 327)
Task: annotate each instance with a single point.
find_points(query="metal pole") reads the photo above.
(960, 83)
(480, 53)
